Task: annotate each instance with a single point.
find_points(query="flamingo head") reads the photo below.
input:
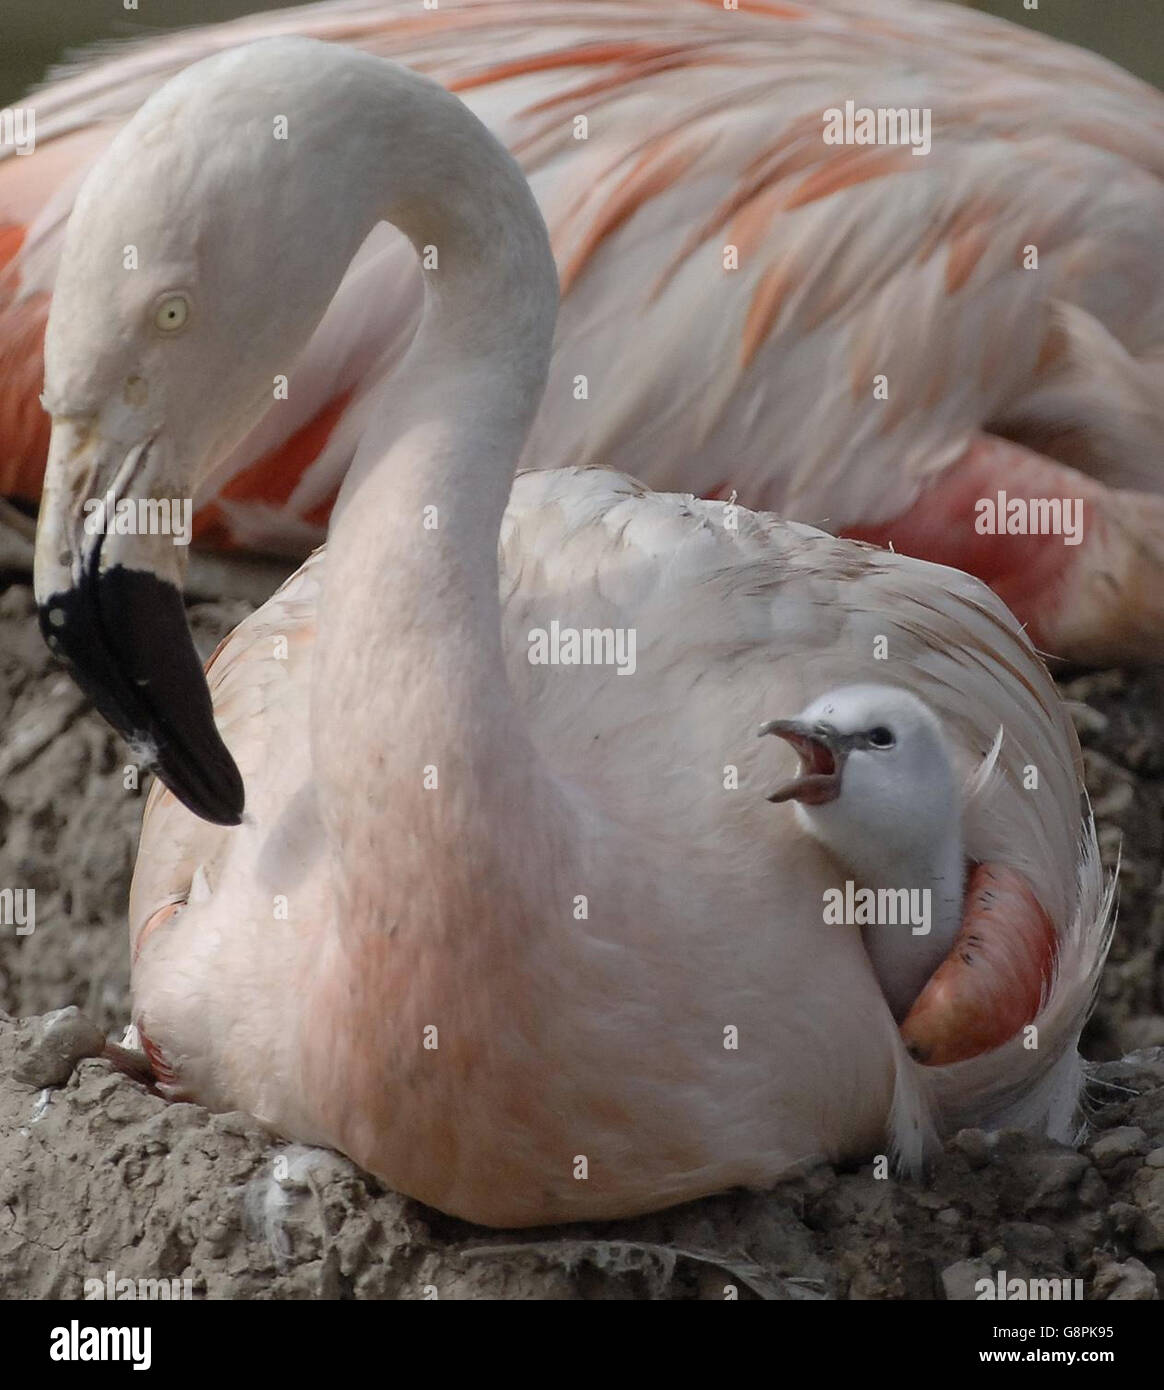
(196, 264)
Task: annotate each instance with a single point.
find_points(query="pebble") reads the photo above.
(50, 1046)
(1114, 1145)
(1032, 1244)
(1052, 1176)
(958, 1279)
(1126, 1281)
(1148, 1189)
(974, 1146)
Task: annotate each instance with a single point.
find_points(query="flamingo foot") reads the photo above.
(130, 1062)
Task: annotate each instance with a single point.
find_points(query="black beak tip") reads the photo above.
(212, 789)
(123, 635)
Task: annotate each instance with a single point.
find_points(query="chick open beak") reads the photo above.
(822, 758)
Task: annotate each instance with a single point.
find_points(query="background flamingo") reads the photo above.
(704, 131)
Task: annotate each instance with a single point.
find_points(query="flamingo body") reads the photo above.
(609, 1042)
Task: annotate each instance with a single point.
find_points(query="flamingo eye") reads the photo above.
(881, 737)
(172, 313)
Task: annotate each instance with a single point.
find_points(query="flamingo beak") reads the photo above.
(111, 609)
(822, 759)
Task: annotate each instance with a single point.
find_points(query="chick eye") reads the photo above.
(172, 313)
(881, 737)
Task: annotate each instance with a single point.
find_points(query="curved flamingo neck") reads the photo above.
(416, 738)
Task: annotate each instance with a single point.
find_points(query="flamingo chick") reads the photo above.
(509, 918)
(882, 796)
(877, 788)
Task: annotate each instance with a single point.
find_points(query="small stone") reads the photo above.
(1124, 1217)
(958, 1279)
(1053, 1175)
(239, 1124)
(1117, 801)
(1136, 1073)
(1088, 1229)
(1032, 1244)
(930, 1201)
(973, 1145)
(1092, 1191)
(17, 603)
(49, 1047)
(1086, 719)
(1148, 1189)
(1127, 1281)
(1115, 1145)
(1155, 1159)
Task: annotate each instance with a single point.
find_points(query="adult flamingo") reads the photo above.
(703, 132)
(527, 940)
